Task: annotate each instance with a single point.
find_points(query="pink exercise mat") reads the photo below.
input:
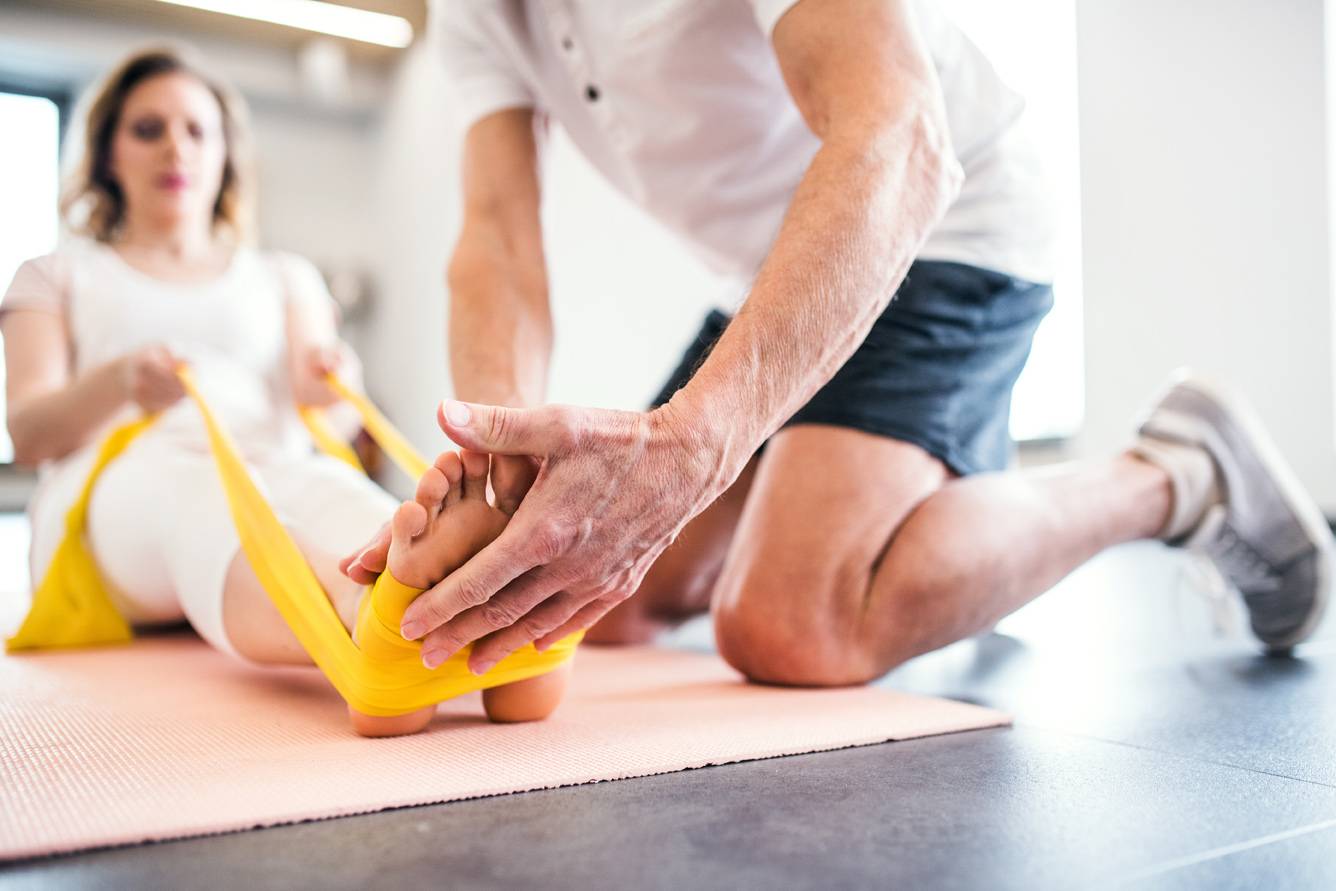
(167, 738)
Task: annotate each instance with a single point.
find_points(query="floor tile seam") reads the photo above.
(1223, 851)
(1021, 724)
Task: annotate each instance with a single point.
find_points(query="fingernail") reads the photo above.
(412, 630)
(542, 645)
(432, 658)
(482, 667)
(457, 413)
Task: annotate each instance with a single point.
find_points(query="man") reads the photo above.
(842, 151)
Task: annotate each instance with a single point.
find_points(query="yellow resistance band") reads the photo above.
(382, 674)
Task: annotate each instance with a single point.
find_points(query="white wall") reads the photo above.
(627, 296)
(316, 186)
(1205, 212)
(416, 217)
(314, 161)
(62, 44)
(1032, 44)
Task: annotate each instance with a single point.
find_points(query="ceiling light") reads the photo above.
(312, 15)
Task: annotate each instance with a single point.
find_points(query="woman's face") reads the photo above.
(168, 151)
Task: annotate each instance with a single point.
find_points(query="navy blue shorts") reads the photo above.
(936, 370)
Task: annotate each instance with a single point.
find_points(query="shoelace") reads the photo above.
(1216, 557)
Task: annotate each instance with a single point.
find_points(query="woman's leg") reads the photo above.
(448, 521)
(159, 528)
(162, 532)
(253, 625)
(163, 535)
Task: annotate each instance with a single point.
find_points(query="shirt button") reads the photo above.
(591, 93)
(567, 43)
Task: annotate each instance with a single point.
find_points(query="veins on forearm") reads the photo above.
(855, 222)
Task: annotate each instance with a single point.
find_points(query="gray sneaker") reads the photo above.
(1267, 537)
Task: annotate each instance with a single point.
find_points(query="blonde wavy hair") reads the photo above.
(92, 202)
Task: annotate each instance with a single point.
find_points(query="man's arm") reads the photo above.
(864, 82)
(500, 321)
(617, 487)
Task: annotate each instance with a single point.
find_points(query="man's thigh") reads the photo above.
(820, 516)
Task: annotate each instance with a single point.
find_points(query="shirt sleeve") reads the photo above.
(768, 12)
(303, 285)
(481, 78)
(38, 284)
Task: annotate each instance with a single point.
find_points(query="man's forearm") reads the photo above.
(500, 334)
(856, 221)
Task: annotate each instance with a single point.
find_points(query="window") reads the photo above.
(29, 182)
(1032, 44)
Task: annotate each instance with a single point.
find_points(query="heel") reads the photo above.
(394, 725)
(528, 700)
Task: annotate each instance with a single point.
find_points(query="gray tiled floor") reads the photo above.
(1147, 752)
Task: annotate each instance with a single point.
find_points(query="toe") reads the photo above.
(475, 474)
(432, 490)
(409, 521)
(452, 469)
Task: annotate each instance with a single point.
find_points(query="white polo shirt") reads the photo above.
(681, 105)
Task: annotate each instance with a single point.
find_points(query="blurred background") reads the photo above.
(1188, 145)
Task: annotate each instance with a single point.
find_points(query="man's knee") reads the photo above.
(816, 639)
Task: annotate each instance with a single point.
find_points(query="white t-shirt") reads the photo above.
(681, 105)
(231, 330)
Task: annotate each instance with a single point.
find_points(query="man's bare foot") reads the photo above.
(447, 522)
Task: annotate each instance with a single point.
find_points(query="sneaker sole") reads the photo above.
(1296, 498)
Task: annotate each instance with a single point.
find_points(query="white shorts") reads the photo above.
(161, 531)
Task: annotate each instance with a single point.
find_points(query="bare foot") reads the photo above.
(531, 700)
(447, 522)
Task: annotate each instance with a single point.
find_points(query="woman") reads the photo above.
(162, 274)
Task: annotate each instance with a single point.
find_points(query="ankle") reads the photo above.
(346, 596)
(1191, 479)
(1154, 492)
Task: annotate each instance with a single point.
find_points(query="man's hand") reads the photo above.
(613, 489)
(512, 477)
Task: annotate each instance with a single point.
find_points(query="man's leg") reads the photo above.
(812, 562)
(857, 552)
(851, 551)
(937, 368)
